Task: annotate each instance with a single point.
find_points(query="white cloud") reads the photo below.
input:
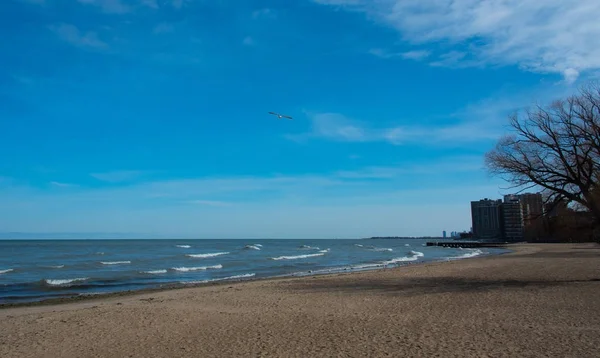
(551, 36)
(248, 41)
(74, 36)
(118, 176)
(108, 6)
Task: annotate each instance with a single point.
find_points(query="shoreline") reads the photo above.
(512, 249)
(538, 300)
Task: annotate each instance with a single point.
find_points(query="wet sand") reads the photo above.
(541, 300)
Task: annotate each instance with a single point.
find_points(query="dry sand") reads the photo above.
(542, 300)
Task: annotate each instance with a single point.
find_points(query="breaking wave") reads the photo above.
(183, 246)
(200, 268)
(115, 262)
(296, 257)
(155, 272)
(412, 256)
(6, 271)
(203, 256)
(252, 247)
(64, 282)
(471, 253)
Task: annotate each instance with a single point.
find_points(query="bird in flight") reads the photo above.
(280, 115)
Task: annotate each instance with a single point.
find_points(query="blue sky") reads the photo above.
(150, 116)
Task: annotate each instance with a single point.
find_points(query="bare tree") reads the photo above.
(556, 148)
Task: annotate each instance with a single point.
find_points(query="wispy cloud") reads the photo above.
(150, 3)
(337, 127)
(118, 176)
(62, 185)
(37, 2)
(333, 126)
(409, 55)
(163, 28)
(75, 37)
(248, 41)
(264, 13)
(553, 36)
(108, 6)
(302, 206)
(210, 203)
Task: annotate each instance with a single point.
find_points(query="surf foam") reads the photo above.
(471, 253)
(200, 268)
(296, 257)
(236, 277)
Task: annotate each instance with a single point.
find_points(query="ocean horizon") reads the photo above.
(40, 269)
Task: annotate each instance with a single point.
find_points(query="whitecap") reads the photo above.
(325, 251)
(296, 257)
(407, 245)
(359, 245)
(259, 245)
(307, 247)
(203, 256)
(56, 266)
(155, 272)
(183, 246)
(200, 268)
(416, 253)
(64, 282)
(381, 249)
(115, 262)
(252, 247)
(6, 271)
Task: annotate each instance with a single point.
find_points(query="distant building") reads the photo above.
(532, 205)
(512, 218)
(444, 234)
(486, 215)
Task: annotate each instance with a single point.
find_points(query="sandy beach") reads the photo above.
(541, 300)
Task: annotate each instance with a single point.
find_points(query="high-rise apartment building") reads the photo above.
(512, 218)
(487, 219)
(532, 205)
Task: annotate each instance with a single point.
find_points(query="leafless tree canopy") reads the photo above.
(557, 148)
